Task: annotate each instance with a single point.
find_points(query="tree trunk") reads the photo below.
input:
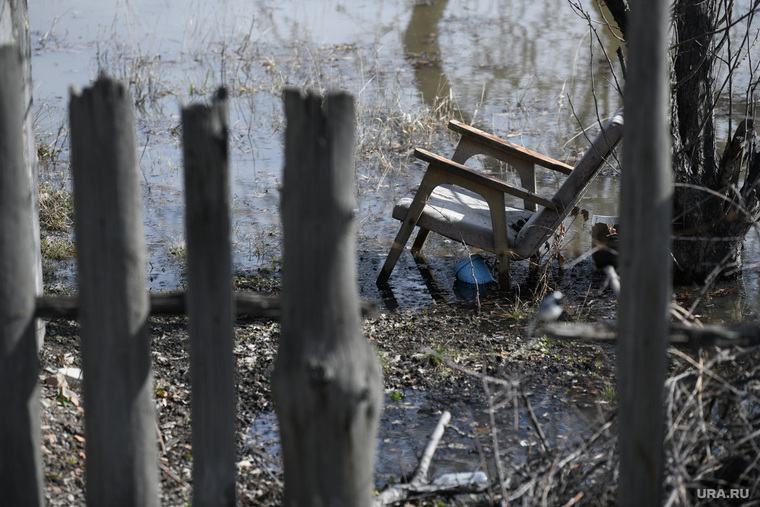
(708, 230)
(711, 214)
(327, 383)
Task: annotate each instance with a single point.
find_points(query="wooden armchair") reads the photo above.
(468, 206)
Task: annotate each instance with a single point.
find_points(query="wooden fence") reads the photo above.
(113, 303)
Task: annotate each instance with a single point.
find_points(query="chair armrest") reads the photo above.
(466, 173)
(507, 147)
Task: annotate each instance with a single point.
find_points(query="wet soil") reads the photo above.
(525, 104)
(431, 360)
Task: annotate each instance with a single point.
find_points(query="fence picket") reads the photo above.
(20, 459)
(120, 424)
(14, 30)
(646, 205)
(209, 301)
(327, 383)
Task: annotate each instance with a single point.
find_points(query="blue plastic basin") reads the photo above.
(470, 266)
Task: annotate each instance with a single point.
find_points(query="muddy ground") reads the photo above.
(427, 351)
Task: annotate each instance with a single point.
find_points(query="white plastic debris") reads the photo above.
(73, 375)
(462, 479)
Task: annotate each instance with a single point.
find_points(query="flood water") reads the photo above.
(528, 70)
(406, 425)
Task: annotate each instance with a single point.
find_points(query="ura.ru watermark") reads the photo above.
(718, 493)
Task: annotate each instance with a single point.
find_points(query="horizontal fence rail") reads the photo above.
(174, 303)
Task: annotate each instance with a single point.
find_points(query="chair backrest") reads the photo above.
(545, 221)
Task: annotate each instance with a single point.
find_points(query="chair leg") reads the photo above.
(501, 242)
(422, 235)
(505, 281)
(398, 246)
(414, 213)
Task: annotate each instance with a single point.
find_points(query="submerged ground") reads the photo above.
(540, 413)
(525, 71)
(433, 360)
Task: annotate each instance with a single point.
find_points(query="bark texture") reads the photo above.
(327, 382)
(712, 212)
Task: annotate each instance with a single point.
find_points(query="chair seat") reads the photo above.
(463, 216)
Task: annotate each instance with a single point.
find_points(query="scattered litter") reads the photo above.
(73, 375)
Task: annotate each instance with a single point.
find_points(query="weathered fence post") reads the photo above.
(14, 30)
(646, 210)
(120, 418)
(20, 461)
(327, 382)
(209, 301)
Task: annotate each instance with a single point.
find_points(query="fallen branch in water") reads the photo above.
(419, 484)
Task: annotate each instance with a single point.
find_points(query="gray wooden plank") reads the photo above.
(120, 423)
(209, 301)
(20, 460)
(645, 220)
(327, 382)
(14, 30)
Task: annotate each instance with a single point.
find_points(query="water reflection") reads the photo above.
(423, 51)
(525, 58)
(510, 66)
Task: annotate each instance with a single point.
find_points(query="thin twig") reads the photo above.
(534, 420)
(454, 366)
(495, 440)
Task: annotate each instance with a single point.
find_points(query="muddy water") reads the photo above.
(524, 69)
(518, 79)
(406, 425)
